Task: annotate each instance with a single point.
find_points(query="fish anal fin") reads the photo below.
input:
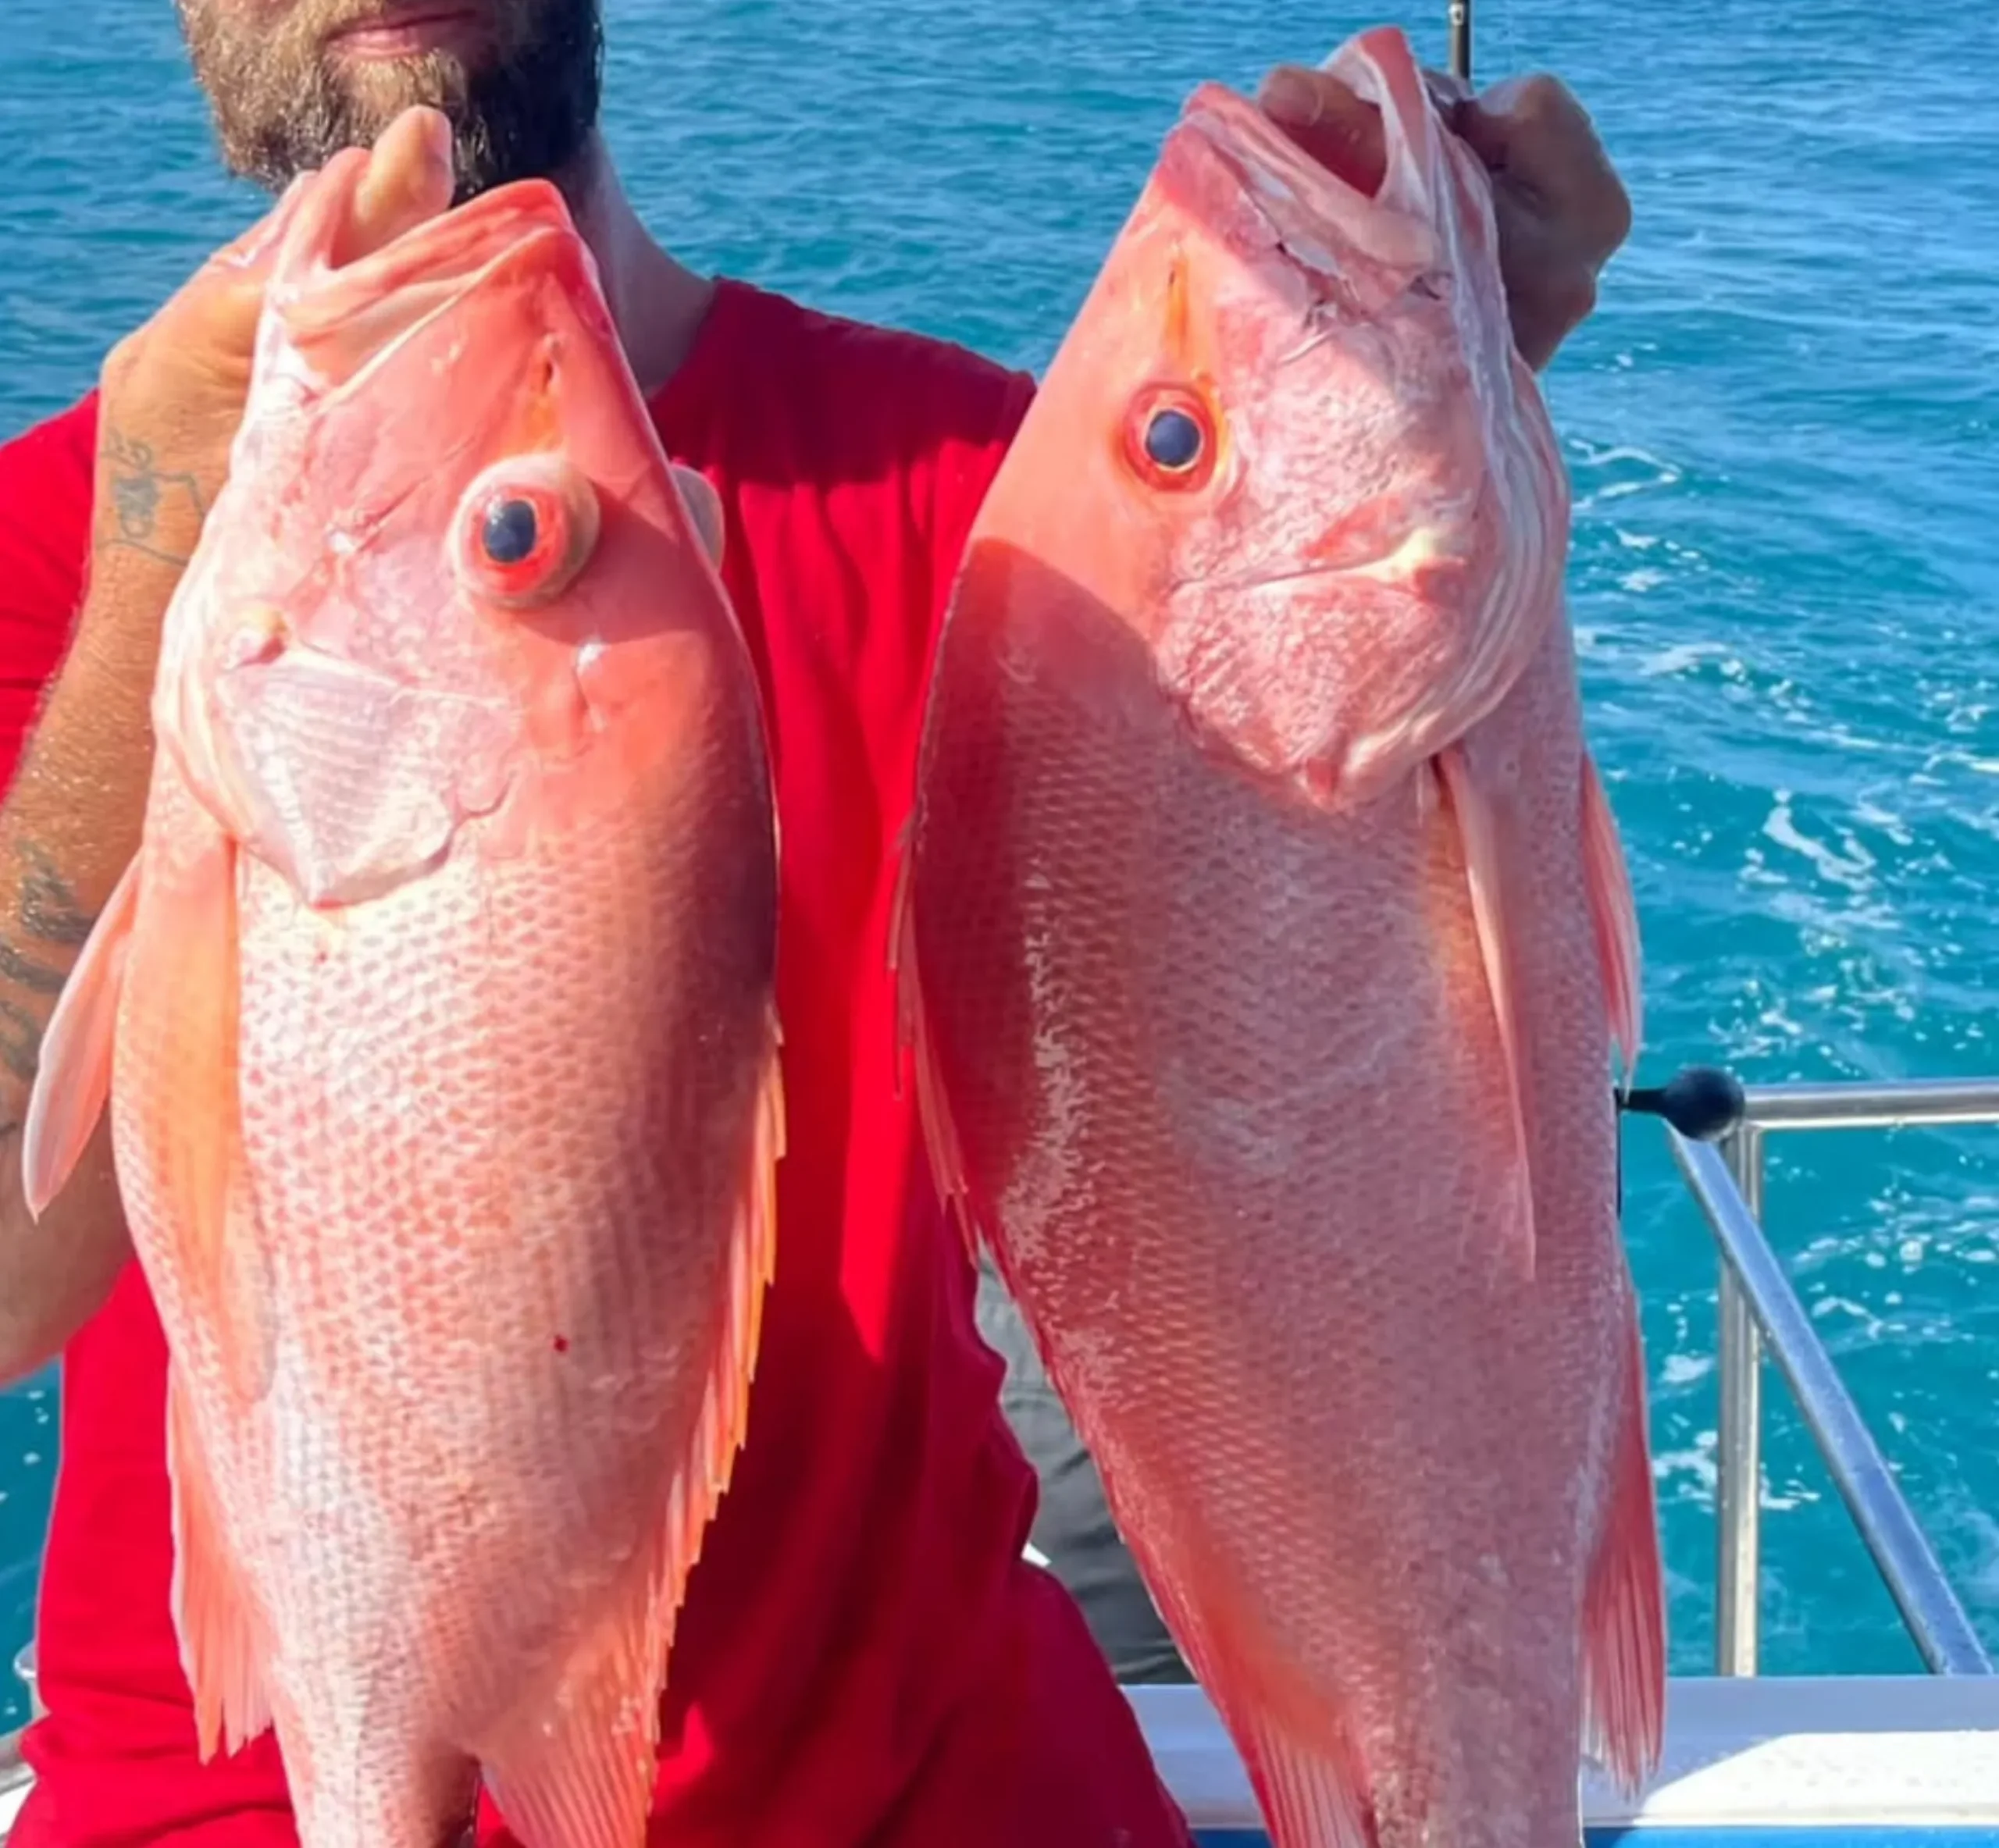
(1312, 1796)
(1624, 1609)
(1613, 915)
(183, 974)
(576, 1770)
(724, 1415)
(1485, 855)
(219, 1648)
(73, 1077)
(913, 1043)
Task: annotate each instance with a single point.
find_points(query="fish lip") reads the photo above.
(450, 258)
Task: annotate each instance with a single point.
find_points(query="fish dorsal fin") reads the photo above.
(1614, 916)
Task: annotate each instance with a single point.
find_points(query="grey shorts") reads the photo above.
(1072, 1527)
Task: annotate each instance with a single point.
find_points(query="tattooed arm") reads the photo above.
(70, 822)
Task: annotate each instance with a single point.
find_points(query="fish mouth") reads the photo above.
(1234, 168)
(346, 321)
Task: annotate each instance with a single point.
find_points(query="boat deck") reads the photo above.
(1843, 1762)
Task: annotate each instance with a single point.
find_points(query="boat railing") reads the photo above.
(1721, 1161)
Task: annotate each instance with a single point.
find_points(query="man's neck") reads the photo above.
(656, 304)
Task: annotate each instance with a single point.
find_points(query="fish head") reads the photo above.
(451, 568)
(1287, 447)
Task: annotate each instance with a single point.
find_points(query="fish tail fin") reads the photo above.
(1312, 1796)
(940, 1134)
(1614, 916)
(1624, 1611)
(72, 1078)
(219, 1648)
(1485, 872)
(577, 1769)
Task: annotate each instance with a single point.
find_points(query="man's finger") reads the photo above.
(409, 179)
(1328, 121)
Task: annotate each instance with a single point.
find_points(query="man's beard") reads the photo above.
(523, 108)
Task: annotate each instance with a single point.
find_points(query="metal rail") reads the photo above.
(1757, 1305)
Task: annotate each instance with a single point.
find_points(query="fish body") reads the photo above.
(1264, 940)
(436, 1015)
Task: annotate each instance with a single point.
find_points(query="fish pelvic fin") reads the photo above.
(1614, 916)
(1624, 1607)
(73, 1077)
(1479, 829)
(221, 1651)
(577, 1769)
(913, 1045)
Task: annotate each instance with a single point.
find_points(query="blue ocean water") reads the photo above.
(1781, 426)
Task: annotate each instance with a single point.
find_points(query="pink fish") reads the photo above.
(436, 1015)
(1266, 938)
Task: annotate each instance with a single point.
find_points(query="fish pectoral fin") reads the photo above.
(1614, 915)
(185, 980)
(577, 1770)
(913, 1043)
(1624, 1608)
(72, 1076)
(1485, 854)
(220, 1651)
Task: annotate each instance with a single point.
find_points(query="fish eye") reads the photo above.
(1173, 440)
(525, 527)
(510, 530)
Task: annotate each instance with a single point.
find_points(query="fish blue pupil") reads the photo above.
(1173, 440)
(511, 531)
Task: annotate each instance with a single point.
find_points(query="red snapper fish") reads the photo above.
(1265, 937)
(436, 1015)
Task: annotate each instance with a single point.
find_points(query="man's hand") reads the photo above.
(1562, 212)
(172, 393)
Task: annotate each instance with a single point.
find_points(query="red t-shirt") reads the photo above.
(865, 1659)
